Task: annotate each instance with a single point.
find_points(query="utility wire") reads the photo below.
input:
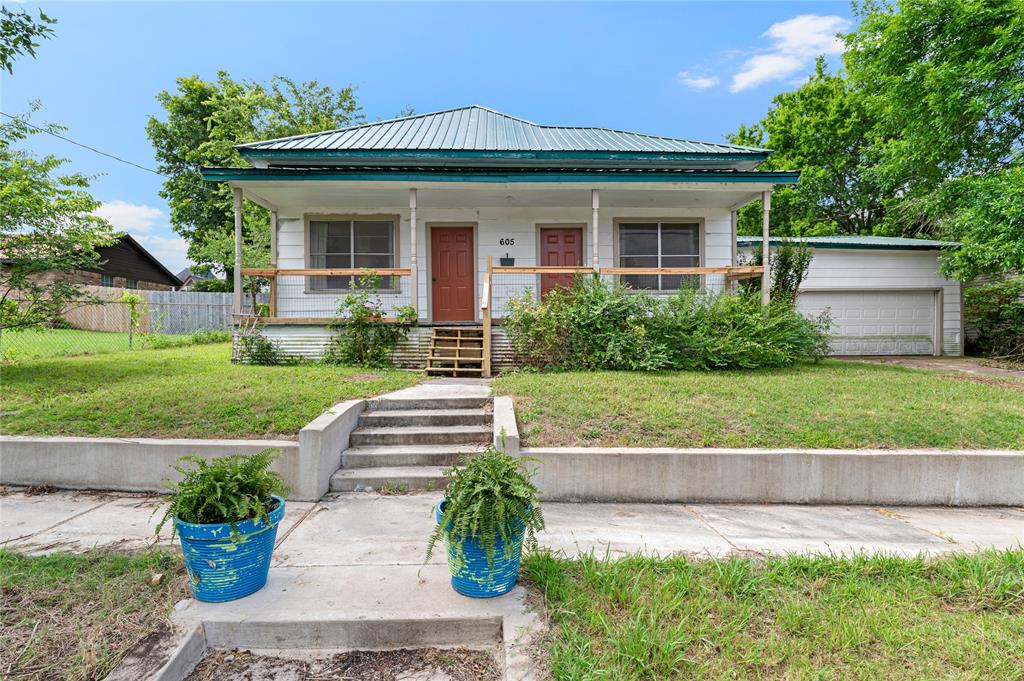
(84, 146)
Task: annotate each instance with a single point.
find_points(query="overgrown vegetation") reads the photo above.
(255, 348)
(828, 404)
(790, 618)
(191, 391)
(996, 312)
(364, 336)
(226, 489)
(790, 261)
(73, 617)
(598, 325)
(488, 499)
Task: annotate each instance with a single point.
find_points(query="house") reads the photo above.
(461, 210)
(189, 278)
(124, 264)
(885, 295)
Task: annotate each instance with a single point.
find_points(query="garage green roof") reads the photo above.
(884, 243)
(476, 135)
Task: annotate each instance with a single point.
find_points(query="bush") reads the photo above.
(490, 497)
(255, 348)
(159, 341)
(363, 335)
(227, 489)
(996, 312)
(597, 325)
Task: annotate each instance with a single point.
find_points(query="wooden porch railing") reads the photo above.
(273, 273)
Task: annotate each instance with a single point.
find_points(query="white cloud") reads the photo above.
(796, 42)
(130, 216)
(808, 35)
(695, 81)
(763, 68)
(171, 251)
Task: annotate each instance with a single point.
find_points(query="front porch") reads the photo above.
(457, 254)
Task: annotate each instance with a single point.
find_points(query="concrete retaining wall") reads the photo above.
(143, 465)
(909, 477)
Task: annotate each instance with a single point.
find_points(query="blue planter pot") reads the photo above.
(474, 577)
(222, 568)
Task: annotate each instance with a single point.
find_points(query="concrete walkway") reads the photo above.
(965, 365)
(368, 529)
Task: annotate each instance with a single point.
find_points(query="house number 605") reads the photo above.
(506, 242)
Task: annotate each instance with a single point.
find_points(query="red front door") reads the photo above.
(560, 247)
(451, 271)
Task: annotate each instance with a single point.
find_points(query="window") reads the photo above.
(658, 244)
(344, 244)
(106, 280)
(131, 283)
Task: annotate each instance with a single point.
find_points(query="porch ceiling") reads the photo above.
(368, 195)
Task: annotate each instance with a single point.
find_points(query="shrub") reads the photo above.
(996, 312)
(791, 260)
(255, 348)
(598, 325)
(363, 335)
(227, 489)
(490, 497)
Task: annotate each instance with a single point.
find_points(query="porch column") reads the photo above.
(237, 195)
(273, 263)
(595, 204)
(414, 278)
(729, 283)
(766, 276)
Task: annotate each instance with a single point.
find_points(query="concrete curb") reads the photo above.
(506, 431)
(145, 464)
(172, 659)
(781, 476)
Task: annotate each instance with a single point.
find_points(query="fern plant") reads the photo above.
(488, 499)
(227, 489)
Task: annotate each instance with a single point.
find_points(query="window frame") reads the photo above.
(132, 284)
(105, 278)
(309, 218)
(659, 220)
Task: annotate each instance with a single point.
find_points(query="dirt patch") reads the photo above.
(427, 664)
(362, 377)
(988, 380)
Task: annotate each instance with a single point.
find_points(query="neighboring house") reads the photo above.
(885, 295)
(437, 203)
(125, 264)
(189, 278)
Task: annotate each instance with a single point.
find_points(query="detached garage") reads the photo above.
(885, 295)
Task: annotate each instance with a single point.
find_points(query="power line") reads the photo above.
(84, 146)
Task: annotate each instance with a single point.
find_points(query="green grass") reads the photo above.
(797, 618)
(37, 343)
(67, 616)
(191, 391)
(830, 404)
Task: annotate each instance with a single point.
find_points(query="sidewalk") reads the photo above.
(367, 529)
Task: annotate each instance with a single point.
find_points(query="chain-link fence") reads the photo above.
(103, 323)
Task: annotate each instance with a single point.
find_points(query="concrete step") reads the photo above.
(425, 417)
(407, 455)
(421, 435)
(404, 478)
(384, 403)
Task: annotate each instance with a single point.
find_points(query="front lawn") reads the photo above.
(68, 616)
(192, 391)
(960, 617)
(37, 343)
(829, 404)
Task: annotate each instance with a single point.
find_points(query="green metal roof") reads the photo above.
(883, 243)
(478, 136)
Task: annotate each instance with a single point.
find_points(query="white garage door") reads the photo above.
(876, 322)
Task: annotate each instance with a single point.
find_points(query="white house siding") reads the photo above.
(879, 280)
(492, 225)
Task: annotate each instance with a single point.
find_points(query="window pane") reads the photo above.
(373, 261)
(339, 229)
(680, 261)
(373, 237)
(679, 240)
(337, 244)
(337, 261)
(638, 239)
(639, 261)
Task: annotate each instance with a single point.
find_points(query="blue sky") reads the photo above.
(694, 70)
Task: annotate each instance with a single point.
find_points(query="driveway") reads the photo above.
(967, 365)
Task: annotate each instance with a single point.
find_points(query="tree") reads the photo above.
(46, 225)
(204, 120)
(944, 81)
(821, 129)
(18, 35)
